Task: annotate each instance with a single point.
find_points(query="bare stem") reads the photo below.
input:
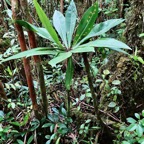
(68, 103)
(87, 68)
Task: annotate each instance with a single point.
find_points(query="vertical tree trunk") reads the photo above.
(87, 68)
(61, 5)
(135, 24)
(16, 15)
(33, 44)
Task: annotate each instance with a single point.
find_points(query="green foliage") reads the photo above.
(109, 43)
(110, 91)
(98, 30)
(71, 17)
(111, 8)
(60, 26)
(59, 124)
(59, 58)
(37, 51)
(137, 58)
(69, 73)
(141, 35)
(46, 23)
(85, 30)
(85, 128)
(66, 39)
(12, 130)
(86, 23)
(102, 28)
(133, 132)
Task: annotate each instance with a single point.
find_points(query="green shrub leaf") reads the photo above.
(137, 115)
(32, 52)
(42, 32)
(83, 49)
(20, 141)
(112, 104)
(102, 28)
(125, 142)
(46, 23)
(71, 16)
(69, 73)
(116, 82)
(132, 127)
(139, 130)
(86, 23)
(30, 139)
(46, 125)
(60, 26)
(61, 57)
(107, 42)
(131, 120)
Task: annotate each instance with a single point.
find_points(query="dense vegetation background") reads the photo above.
(87, 93)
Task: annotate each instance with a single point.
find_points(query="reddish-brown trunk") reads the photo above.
(33, 44)
(16, 15)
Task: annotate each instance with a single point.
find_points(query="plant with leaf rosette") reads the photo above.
(72, 43)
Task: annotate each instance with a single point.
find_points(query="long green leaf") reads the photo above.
(32, 52)
(46, 23)
(27, 25)
(61, 57)
(44, 34)
(69, 73)
(71, 16)
(83, 49)
(139, 130)
(102, 28)
(118, 50)
(86, 23)
(40, 31)
(60, 26)
(107, 42)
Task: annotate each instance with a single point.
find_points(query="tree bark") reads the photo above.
(135, 25)
(33, 44)
(16, 15)
(61, 5)
(2, 92)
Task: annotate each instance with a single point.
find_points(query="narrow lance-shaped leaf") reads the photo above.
(69, 73)
(61, 57)
(82, 49)
(107, 42)
(71, 16)
(102, 28)
(28, 53)
(46, 23)
(60, 26)
(118, 50)
(86, 23)
(40, 31)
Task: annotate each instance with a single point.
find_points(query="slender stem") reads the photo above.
(68, 103)
(87, 68)
(68, 80)
(90, 81)
(42, 88)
